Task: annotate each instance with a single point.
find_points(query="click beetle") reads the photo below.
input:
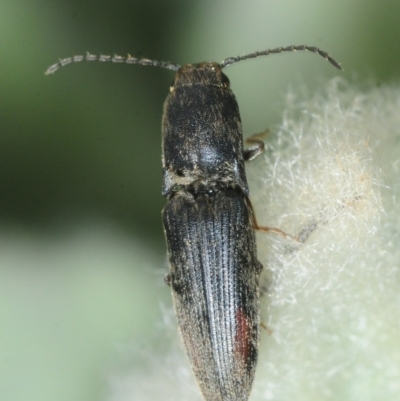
(209, 222)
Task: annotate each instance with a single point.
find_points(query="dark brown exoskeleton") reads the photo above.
(209, 232)
(209, 223)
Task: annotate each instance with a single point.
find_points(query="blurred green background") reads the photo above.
(82, 250)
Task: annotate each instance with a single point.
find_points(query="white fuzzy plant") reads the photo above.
(331, 304)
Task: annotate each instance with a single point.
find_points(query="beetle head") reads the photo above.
(206, 73)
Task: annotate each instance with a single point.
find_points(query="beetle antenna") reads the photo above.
(292, 48)
(115, 59)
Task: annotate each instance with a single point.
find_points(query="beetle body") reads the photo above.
(209, 231)
(208, 221)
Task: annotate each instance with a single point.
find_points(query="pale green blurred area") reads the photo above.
(68, 303)
(82, 254)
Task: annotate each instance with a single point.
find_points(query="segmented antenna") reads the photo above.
(115, 59)
(292, 48)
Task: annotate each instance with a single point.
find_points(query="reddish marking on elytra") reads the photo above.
(243, 343)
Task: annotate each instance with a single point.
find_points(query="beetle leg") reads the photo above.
(276, 231)
(266, 328)
(258, 145)
(168, 279)
(270, 229)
